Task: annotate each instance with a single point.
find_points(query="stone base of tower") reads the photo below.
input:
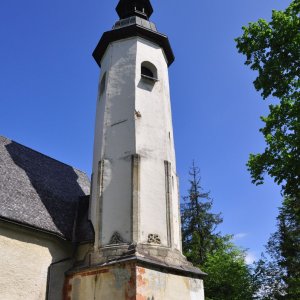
(133, 280)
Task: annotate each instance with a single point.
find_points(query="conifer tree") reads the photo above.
(278, 272)
(198, 222)
(229, 278)
(287, 242)
(272, 49)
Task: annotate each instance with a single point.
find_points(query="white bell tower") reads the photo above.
(135, 204)
(134, 189)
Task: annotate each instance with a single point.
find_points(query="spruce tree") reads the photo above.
(198, 222)
(229, 277)
(287, 242)
(278, 272)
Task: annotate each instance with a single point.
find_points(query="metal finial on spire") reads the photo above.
(128, 8)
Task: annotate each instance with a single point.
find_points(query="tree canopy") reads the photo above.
(272, 49)
(277, 274)
(229, 278)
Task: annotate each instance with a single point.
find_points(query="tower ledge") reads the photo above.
(132, 27)
(163, 259)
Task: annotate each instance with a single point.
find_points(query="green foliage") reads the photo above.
(268, 278)
(272, 49)
(228, 275)
(198, 223)
(279, 276)
(287, 240)
(229, 278)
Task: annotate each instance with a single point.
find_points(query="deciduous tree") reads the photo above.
(229, 277)
(272, 49)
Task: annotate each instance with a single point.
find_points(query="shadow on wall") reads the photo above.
(146, 84)
(49, 199)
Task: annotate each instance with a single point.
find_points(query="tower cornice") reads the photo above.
(133, 31)
(134, 22)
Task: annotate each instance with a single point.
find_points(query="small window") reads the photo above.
(102, 84)
(149, 71)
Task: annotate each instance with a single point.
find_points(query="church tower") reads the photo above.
(134, 204)
(134, 189)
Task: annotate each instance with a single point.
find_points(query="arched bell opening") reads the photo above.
(149, 71)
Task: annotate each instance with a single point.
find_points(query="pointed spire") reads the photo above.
(128, 8)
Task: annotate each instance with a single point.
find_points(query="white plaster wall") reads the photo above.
(24, 261)
(117, 199)
(120, 133)
(112, 283)
(175, 218)
(125, 282)
(115, 143)
(157, 285)
(155, 144)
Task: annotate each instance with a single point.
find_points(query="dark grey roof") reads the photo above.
(41, 192)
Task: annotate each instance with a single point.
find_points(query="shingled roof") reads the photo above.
(42, 193)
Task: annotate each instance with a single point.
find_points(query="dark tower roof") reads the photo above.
(129, 8)
(134, 15)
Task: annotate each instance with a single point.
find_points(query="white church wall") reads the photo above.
(115, 144)
(176, 212)
(153, 284)
(134, 117)
(155, 144)
(129, 281)
(25, 257)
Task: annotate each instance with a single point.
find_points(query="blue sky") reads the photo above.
(48, 86)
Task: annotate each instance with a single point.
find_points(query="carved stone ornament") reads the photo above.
(116, 239)
(154, 239)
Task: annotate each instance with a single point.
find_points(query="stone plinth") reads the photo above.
(133, 280)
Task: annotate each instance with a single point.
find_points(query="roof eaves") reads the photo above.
(24, 225)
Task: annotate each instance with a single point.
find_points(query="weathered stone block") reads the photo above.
(132, 280)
